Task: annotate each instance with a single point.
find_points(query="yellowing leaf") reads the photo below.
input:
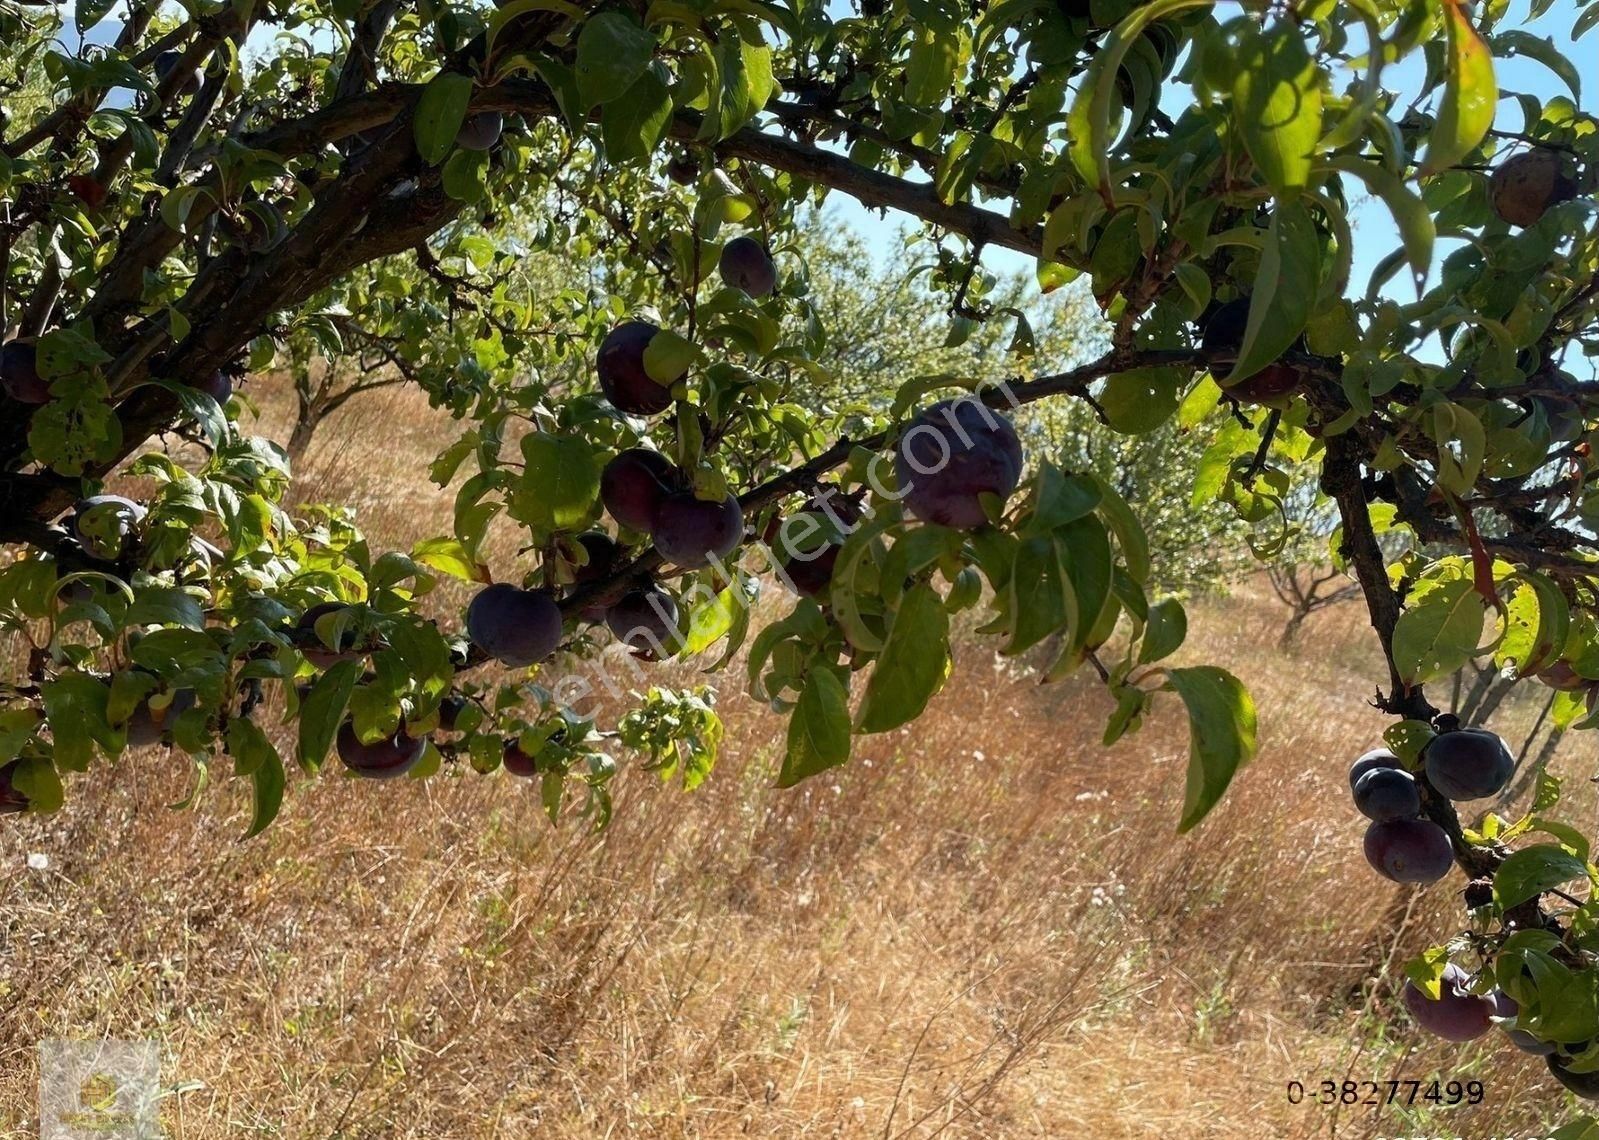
(1471, 93)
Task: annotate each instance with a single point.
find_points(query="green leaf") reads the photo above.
(439, 114)
(1527, 873)
(818, 730)
(1221, 735)
(613, 51)
(1284, 293)
(913, 665)
(1416, 227)
(746, 82)
(37, 778)
(449, 556)
(633, 125)
(1427, 970)
(667, 356)
(75, 706)
(1515, 42)
(1462, 445)
(1129, 532)
(1471, 93)
(930, 70)
(17, 727)
(1165, 632)
(1141, 399)
(1439, 634)
(255, 757)
(323, 709)
(1277, 105)
(1088, 124)
(560, 482)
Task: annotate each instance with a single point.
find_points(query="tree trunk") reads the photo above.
(1290, 633)
(305, 426)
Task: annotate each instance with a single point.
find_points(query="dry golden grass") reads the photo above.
(982, 927)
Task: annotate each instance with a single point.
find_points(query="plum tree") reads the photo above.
(633, 484)
(745, 264)
(692, 532)
(103, 524)
(480, 132)
(1409, 850)
(516, 627)
(19, 373)
(12, 801)
(1456, 1014)
(1370, 762)
(1526, 185)
(386, 758)
(317, 196)
(1468, 763)
(951, 457)
(645, 620)
(623, 377)
(1385, 794)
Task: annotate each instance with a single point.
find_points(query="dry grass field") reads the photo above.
(985, 926)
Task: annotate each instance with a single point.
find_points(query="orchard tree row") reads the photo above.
(221, 180)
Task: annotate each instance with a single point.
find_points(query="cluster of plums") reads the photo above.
(1461, 763)
(1459, 1015)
